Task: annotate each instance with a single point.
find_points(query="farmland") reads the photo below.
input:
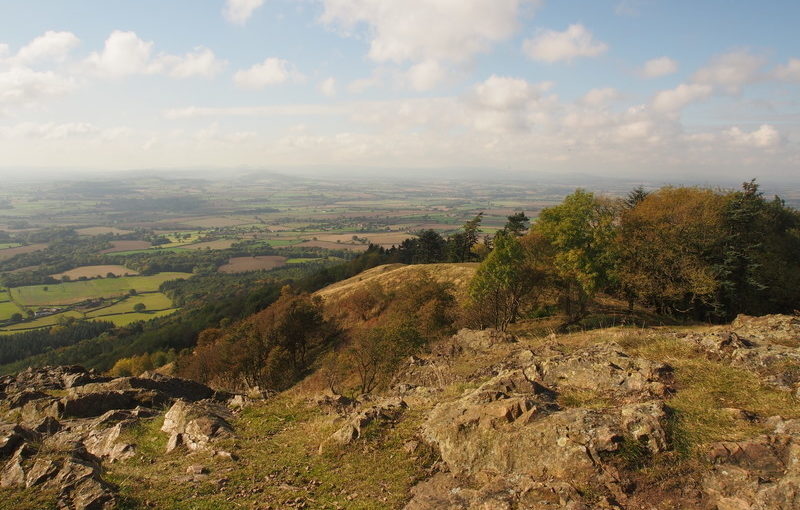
(94, 272)
(245, 264)
(230, 230)
(76, 292)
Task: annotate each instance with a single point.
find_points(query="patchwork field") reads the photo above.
(76, 292)
(95, 272)
(246, 264)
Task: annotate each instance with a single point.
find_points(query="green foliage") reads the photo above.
(501, 282)
(582, 232)
(517, 224)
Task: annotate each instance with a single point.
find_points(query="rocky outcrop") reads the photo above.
(380, 412)
(71, 421)
(516, 441)
(196, 425)
(762, 473)
(765, 345)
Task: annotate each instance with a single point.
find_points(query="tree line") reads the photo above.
(686, 252)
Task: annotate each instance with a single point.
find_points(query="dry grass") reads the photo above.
(706, 389)
(279, 465)
(392, 276)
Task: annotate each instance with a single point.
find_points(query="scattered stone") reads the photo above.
(196, 469)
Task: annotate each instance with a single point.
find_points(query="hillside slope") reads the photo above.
(626, 418)
(391, 276)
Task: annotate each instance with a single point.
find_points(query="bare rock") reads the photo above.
(20, 399)
(382, 412)
(780, 329)
(106, 445)
(605, 369)
(12, 437)
(43, 470)
(34, 412)
(199, 423)
(13, 475)
(481, 340)
(762, 473)
(48, 426)
(197, 469)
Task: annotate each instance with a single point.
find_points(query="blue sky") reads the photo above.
(617, 87)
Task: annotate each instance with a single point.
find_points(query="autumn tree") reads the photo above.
(669, 245)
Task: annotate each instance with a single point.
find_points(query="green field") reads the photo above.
(7, 308)
(3, 246)
(124, 319)
(75, 292)
(51, 320)
(152, 301)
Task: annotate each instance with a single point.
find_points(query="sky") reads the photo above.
(629, 88)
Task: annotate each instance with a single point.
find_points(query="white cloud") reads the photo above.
(49, 46)
(362, 84)
(239, 11)
(790, 71)
(256, 111)
(730, 71)
(765, 137)
(422, 30)
(673, 100)
(426, 75)
(503, 93)
(48, 131)
(328, 87)
(125, 54)
(552, 46)
(23, 86)
(600, 97)
(658, 67)
(202, 62)
(272, 71)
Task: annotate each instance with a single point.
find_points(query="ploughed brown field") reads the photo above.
(245, 264)
(127, 246)
(10, 252)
